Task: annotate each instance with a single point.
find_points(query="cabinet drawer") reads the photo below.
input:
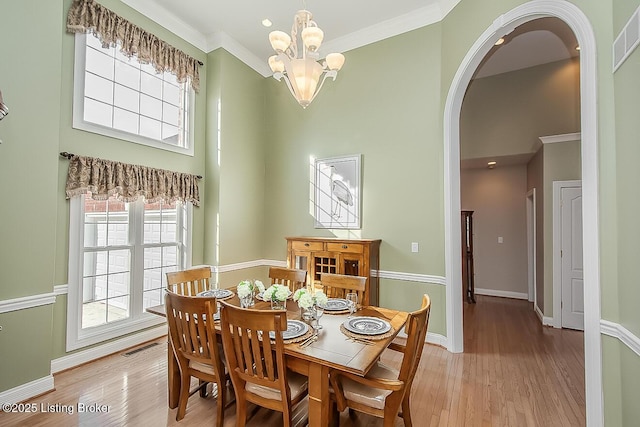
(300, 245)
(355, 248)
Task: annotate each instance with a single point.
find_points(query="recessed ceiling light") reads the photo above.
(491, 165)
(266, 22)
(500, 41)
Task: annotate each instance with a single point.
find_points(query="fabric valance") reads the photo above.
(89, 16)
(105, 178)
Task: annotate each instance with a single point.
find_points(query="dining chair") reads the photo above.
(254, 350)
(189, 282)
(338, 285)
(381, 392)
(294, 279)
(195, 346)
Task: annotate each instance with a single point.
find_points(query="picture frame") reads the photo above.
(338, 192)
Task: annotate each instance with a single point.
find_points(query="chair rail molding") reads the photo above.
(30, 301)
(618, 331)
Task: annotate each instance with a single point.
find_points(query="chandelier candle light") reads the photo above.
(302, 74)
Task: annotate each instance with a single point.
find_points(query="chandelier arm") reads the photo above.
(289, 76)
(331, 74)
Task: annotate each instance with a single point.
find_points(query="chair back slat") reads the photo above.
(189, 282)
(338, 285)
(251, 355)
(293, 278)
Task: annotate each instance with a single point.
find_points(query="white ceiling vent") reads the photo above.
(627, 40)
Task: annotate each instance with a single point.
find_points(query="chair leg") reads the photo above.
(185, 382)
(241, 411)
(406, 411)
(220, 405)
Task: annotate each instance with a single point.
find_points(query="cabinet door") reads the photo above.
(352, 265)
(325, 262)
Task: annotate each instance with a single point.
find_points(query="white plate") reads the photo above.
(336, 304)
(218, 293)
(295, 329)
(367, 325)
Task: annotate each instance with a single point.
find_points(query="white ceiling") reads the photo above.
(237, 25)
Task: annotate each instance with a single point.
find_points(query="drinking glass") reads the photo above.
(318, 312)
(353, 302)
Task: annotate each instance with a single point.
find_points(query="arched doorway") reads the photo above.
(580, 25)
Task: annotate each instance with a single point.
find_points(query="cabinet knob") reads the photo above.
(306, 244)
(344, 246)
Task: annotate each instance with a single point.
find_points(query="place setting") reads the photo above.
(220, 294)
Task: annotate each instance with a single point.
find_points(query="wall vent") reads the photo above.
(627, 40)
(139, 349)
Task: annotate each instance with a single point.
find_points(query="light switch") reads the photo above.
(500, 239)
(414, 247)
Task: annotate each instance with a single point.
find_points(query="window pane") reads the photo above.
(151, 232)
(170, 114)
(95, 234)
(150, 128)
(118, 285)
(170, 256)
(126, 98)
(97, 112)
(169, 232)
(152, 279)
(151, 85)
(127, 75)
(95, 264)
(152, 258)
(125, 120)
(170, 134)
(95, 43)
(150, 107)
(98, 88)
(133, 61)
(171, 93)
(100, 62)
(94, 314)
(119, 261)
(152, 297)
(118, 309)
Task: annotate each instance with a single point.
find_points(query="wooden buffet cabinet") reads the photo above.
(338, 256)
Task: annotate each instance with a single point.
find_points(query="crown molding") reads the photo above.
(565, 137)
(220, 39)
(162, 17)
(392, 27)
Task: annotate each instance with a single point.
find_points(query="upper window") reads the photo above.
(119, 97)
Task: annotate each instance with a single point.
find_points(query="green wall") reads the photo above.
(627, 104)
(261, 188)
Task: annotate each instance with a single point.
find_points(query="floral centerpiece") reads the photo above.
(306, 301)
(278, 295)
(247, 289)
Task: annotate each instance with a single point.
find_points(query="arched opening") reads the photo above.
(504, 24)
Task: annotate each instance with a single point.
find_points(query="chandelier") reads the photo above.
(303, 73)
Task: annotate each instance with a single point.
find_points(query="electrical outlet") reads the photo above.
(415, 247)
(500, 239)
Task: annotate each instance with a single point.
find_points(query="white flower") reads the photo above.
(305, 301)
(297, 294)
(277, 292)
(320, 298)
(259, 285)
(244, 288)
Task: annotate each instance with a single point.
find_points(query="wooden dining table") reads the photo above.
(332, 350)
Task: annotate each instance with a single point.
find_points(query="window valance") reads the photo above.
(105, 178)
(90, 16)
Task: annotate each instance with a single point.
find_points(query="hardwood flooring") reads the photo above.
(514, 372)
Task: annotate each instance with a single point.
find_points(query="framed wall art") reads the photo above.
(337, 192)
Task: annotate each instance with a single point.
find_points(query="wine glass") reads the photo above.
(352, 298)
(319, 311)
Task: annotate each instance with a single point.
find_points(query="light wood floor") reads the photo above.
(514, 372)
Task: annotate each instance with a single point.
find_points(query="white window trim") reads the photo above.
(78, 338)
(78, 109)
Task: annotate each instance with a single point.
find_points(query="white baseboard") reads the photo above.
(431, 338)
(75, 359)
(27, 391)
(502, 294)
(546, 321)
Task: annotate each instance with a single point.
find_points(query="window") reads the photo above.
(119, 256)
(119, 97)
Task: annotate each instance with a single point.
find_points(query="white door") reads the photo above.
(571, 255)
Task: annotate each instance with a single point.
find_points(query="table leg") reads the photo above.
(318, 395)
(173, 377)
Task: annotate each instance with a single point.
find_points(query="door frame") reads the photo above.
(573, 16)
(557, 246)
(532, 224)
